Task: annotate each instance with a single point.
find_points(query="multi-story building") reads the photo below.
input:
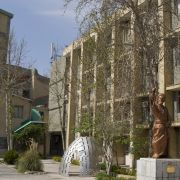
(58, 95)
(29, 94)
(5, 18)
(31, 97)
(30, 104)
(168, 78)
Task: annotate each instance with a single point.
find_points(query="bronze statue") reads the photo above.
(160, 125)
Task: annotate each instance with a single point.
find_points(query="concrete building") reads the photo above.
(168, 81)
(29, 98)
(58, 95)
(29, 95)
(5, 18)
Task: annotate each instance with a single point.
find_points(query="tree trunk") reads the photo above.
(9, 120)
(108, 154)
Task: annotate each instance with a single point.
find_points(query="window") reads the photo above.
(176, 14)
(177, 7)
(174, 43)
(125, 36)
(178, 102)
(145, 111)
(176, 51)
(42, 115)
(18, 112)
(176, 56)
(26, 93)
(126, 32)
(3, 142)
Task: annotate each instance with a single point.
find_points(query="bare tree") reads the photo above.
(13, 77)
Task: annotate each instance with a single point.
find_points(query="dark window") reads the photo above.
(145, 111)
(42, 115)
(176, 52)
(177, 7)
(126, 32)
(18, 112)
(178, 102)
(3, 142)
(26, 93)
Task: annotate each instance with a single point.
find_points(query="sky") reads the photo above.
(40, 23)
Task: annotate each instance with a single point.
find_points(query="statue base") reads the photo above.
(158, 169)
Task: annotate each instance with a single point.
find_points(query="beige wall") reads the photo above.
(19, 101)
(56, 88)
(40, 85)
(2, 116)
(4, 21)
(4, 33)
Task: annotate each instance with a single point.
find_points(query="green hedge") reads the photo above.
(75, 162)
(57, 158)
(10, 157)
(118, 170)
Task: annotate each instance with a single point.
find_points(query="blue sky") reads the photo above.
(41, 22)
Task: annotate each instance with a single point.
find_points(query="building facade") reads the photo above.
(121, 38)
(5, 18)
(30, 92)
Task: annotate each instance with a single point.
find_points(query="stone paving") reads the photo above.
(51, 169)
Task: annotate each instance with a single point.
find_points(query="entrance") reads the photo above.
(56, 145)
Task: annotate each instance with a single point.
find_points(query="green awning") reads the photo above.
(35, 115)
(28, 123)
(35, 119)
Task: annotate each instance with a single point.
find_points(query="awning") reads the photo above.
(35, 119)
(28, 123)
(35, 115)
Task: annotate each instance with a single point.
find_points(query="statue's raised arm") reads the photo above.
(153, 97)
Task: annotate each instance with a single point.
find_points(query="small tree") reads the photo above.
(12, 77)
(33, 131)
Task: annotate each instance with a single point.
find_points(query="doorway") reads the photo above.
(56, 147)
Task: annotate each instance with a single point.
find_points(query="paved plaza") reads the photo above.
(51, 169)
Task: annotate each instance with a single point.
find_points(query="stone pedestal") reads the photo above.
(158, 169)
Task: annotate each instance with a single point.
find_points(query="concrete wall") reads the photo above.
(57, 89)
(26, 104)
(4, 33)
(40, 85)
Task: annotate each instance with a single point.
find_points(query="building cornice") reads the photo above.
(10, 15)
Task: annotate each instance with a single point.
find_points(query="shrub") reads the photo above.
(102, 176)
(10, 157)
(30, 160)
(125, 171)
(33, 131)
(102, 166)
(114, 168)
(75, 162)
(57, 158)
